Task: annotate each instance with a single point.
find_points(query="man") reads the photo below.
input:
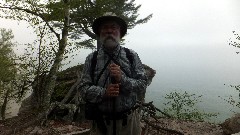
(115, 82)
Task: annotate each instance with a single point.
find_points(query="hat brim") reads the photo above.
(99, 21)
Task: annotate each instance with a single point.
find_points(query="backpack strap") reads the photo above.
(129, 55)
(93, 64)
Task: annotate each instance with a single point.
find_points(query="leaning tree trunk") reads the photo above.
(51, 78)
(4, 105)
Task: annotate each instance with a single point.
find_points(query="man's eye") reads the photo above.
(114, 27)
(111, 27)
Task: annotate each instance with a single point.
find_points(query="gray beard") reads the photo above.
(109, 43)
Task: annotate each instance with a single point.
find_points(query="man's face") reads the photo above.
(110, 34)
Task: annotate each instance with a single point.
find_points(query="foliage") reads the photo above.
(232, 101)
(7, 69)
(6, 55)
(235, 41)
(11, 71)
(53, 54)
(39, 56)
(13, 78)
(183, 106)
(83, 13)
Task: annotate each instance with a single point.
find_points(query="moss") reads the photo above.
(69, 73)
(65, 80)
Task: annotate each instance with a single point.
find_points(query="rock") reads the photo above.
(236, 133)
(26, 105)
(150, 73)
(37, 130)
(232, 125)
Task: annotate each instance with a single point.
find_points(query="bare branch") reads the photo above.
(160, 128)
(36, 14)
(89, 33)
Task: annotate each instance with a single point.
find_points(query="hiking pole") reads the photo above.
(114, 110)
(114, 117)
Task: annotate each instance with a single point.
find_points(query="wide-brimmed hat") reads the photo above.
(109, 16)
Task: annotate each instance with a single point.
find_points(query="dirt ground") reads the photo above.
(12, 126)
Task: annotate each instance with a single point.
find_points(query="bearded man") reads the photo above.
(113, 81)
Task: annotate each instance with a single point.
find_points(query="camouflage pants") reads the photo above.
(131, 128)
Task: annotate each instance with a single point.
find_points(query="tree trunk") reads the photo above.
(4, 105)
(51, 78)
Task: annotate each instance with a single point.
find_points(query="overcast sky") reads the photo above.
(174, 22)
(188, 21)
(186, 34)
(180, 33)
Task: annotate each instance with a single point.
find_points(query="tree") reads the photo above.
(7, 69)
(32, 11)
(55, 16)
(84, 12)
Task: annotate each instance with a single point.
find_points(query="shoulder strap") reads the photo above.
(94, 60)
(93, 64)
(128, 55)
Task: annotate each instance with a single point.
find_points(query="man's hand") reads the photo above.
(115, 72)
(112, 90)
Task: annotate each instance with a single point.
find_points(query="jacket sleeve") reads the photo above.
(138, 82)
(86, 87)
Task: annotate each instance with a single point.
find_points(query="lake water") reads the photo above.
(201, 71)
(200, 68)
(211, 102)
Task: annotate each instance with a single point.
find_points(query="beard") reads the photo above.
(109, 42)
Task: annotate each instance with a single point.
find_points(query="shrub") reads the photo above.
(183, 106)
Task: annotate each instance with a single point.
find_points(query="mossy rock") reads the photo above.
(64, 82)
